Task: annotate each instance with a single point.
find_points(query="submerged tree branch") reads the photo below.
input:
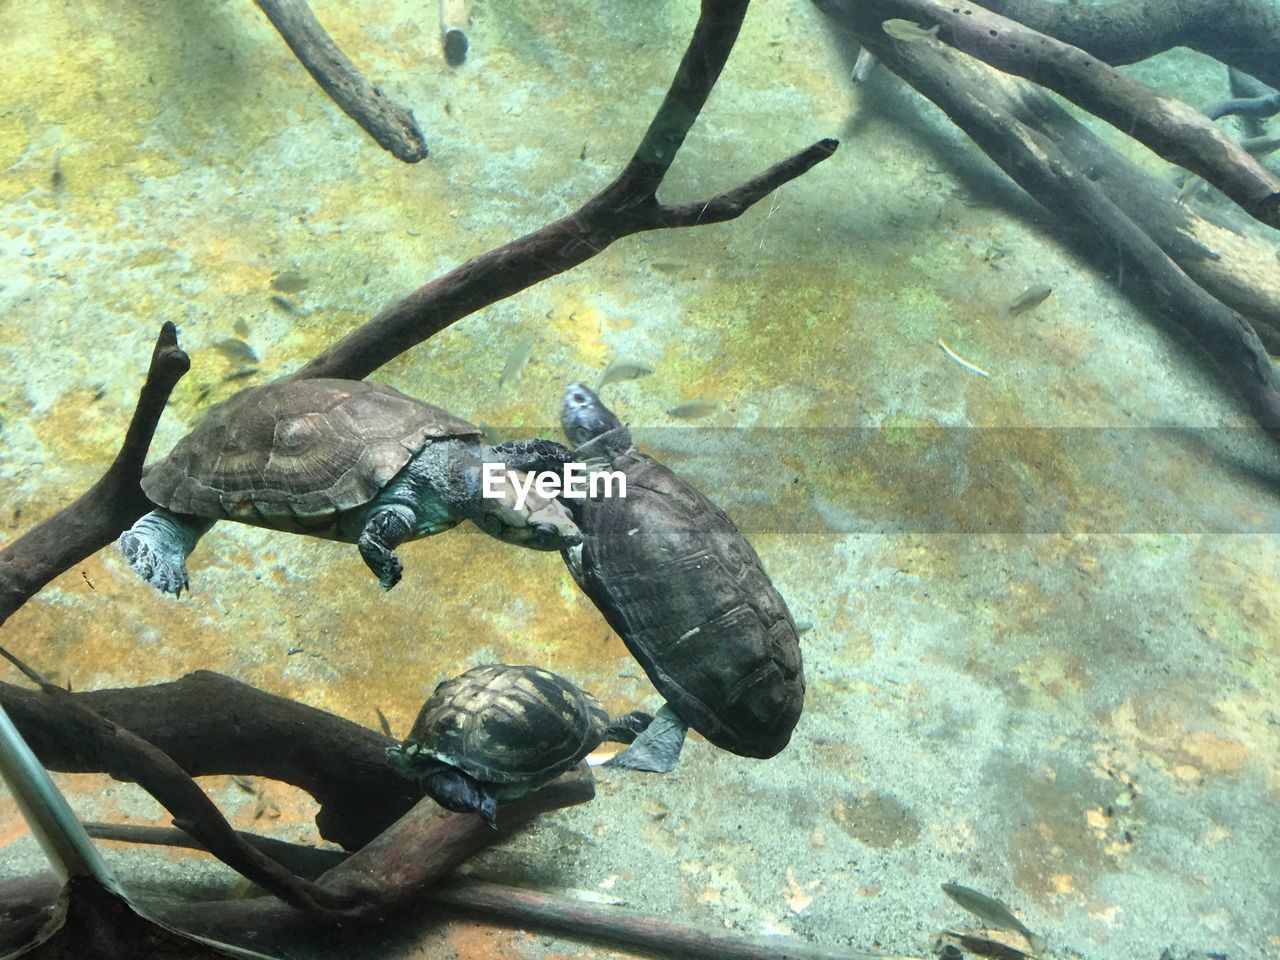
(1172, 129)
(131, 759)
(390, 124)
(968, 91)
(109, 506)
(534, 909)
(1242, 33)
(340, 763)
(628, 205)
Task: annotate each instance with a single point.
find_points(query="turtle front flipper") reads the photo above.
(157, 547)
(456, 791)
(657, 749)
(385, 530)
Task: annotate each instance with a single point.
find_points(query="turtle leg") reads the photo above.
(531, 456)
(657, 750)
(626, 728)
(387, 528)
(456, 791)
(157, 547)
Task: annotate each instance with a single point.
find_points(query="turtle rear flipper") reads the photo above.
(657, 750)
(157, 547)
(456, 791)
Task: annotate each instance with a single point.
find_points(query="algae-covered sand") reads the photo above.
(1041, 658)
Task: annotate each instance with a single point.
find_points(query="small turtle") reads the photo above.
(689, 597)
(498, 732)
(345, 460)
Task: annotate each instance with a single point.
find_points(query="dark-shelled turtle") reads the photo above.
(345, 460)
(498, 731)
(688, 595)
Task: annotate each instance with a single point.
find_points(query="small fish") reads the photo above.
(265, 807)
(993, 913)
(288, 306)
(620, 370)
(246, 784)
(908, 31)
(863, 66)
(241, 328)
(234, 349)
(289, 281)
(666, 266)
(516, 359)
(1189, 189)
(243, 373)
(382, 722)
(694, 410)
(1030, 298)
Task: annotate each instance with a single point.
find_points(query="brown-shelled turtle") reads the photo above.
(688, 595)
(345, 460)
(498, 731)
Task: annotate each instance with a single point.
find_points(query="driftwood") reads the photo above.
(390, 124)
(1170, 128)
(129, 758)
(340, 763)
(1003, 116)
(532, 909)
(1242, 33)
(110, 505)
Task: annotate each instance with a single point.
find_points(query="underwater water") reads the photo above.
(1027, 538)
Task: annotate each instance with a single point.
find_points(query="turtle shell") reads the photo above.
(688, 595)
(509, 724)
(292, 455)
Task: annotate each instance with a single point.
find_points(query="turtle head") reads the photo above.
(586, 420)
(519, 514)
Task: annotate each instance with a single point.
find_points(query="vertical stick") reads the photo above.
(453, 30)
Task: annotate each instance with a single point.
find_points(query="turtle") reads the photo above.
(498, 731)
(346, 460)
(687, 594)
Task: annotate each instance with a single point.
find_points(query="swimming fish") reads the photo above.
(863, 66)
(382, 722)
(1028, 299)
(234, 349)
(245, 784)
(693, 410)
(620, 370)
(993, 913)
(290, 281)
(908, 31)
(241, 328)
(516, 360)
